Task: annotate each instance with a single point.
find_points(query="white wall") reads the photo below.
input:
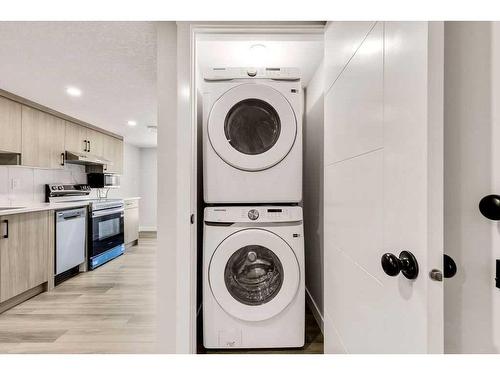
(313, 192)
(139, 180)
(471, 318)
(130, 180)
(168, 218)
(148, 189)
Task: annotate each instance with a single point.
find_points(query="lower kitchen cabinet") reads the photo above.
(24, 252)
(131, 221)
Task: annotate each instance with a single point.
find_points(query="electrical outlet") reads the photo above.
(15, 183)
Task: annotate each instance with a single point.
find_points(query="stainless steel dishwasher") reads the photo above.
(70, 239)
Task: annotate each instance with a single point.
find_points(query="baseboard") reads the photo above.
(10, 303)
(147, 229)
(130, 244)
(315, 310)
(147, 234)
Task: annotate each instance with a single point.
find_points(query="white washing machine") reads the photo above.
(253, 277)
(252, 135)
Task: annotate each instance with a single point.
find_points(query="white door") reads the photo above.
(383, 186)
(252, 127)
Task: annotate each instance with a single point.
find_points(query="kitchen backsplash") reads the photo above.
(22, 185)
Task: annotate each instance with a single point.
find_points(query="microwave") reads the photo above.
(103, 180)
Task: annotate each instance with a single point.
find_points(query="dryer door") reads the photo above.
(254, 274)
(252, 127)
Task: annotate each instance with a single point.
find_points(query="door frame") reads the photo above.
(187, 109)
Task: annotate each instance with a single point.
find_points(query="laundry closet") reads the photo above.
(252, 246)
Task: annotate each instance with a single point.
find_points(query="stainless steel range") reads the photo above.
(105, 235)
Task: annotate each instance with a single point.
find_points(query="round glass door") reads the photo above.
(254, 274)
(252, 127)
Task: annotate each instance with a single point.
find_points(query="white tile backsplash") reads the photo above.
(22, 185)
(40, 178)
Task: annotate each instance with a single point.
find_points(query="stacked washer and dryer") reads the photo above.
(253, 245)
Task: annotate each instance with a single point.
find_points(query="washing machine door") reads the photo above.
(254, 274)
(252, 127)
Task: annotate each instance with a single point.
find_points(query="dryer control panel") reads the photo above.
(253, 214)
(225, 74)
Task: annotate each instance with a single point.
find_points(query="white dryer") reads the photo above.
(252, 135)
(253, 277)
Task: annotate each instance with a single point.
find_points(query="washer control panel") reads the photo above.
(259, 214)
(253, 214)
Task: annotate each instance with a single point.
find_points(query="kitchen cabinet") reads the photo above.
(131, 221)
(81, 139)
(113, 151)
(24, 252)
(76, 138)
(96, 142)
(10, 126)
(43, 138)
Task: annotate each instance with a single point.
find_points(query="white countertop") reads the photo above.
(34, 207)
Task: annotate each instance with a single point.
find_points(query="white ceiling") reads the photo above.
(113, 63)
(298, 51)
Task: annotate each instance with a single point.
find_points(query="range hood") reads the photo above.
(86, 159)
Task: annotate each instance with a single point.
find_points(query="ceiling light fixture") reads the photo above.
(258, 54)
(73, 91)
(131, 123)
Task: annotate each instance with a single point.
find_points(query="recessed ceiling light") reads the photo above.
(257, 47)
(258, 55)
(73, 91)
(131, 123)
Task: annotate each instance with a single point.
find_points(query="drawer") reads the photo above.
(133, 203)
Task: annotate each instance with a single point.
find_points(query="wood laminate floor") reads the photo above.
(108, 310)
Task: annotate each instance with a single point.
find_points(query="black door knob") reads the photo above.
(490, 207)
(449, 266)
(406, 264)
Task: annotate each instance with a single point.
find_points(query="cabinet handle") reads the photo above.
(62, 158)
(85, 147)
(89, 146)
(6, 235)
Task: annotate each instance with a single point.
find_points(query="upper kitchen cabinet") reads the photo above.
(113, 151)
(43, 139)
(76, 138)
(96, 142)
(10, 126)
(82, 139)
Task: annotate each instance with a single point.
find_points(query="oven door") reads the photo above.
(106, 230)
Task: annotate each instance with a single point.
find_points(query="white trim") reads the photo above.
(315, 310)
